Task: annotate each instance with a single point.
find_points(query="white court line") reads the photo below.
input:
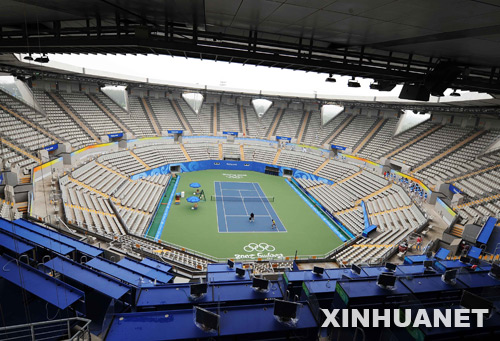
(216, 211)
(240, 215)
(223, 207)
(262, 201)
(273, 231)
(277, 217)
(242, 190)
(243, 202)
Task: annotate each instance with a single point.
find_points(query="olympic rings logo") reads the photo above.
(261, 247)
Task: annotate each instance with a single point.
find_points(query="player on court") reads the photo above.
(252, 217)
(273, 226)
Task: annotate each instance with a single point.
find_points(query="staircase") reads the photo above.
(450, 150)
(276, 157)
(369, 136)
(180, 116)
(105, 110)
(347, 210)
(389, 211)
(243, 122)
(139, 160)
(339, 129)
(221, 152)
(276, 120)
(474, 173)
(242, 153)
(457, 230)
(186, 155)
(22, 207)
(112, 171)
(316, 172)
(151, 117)
(20, 150)
(371, 195)
(91, 189)
(415, 140)
(305, 121)
(478, 201)
(214, 120)
(31, 124)
(347, 178)
(315, 186)
(75, 118)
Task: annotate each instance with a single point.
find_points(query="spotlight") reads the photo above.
(330, 79)
(352, 83)
(455, 93)
(382, 86)
(28, 57)
(43, 59)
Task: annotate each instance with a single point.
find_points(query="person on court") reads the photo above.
(252, 217)
(273, 226)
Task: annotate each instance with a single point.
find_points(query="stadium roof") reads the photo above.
(387, 40)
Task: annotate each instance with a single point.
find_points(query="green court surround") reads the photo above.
(197, 229)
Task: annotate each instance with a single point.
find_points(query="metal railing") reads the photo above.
(75, 328)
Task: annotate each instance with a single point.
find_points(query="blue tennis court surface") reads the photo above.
(235, 202)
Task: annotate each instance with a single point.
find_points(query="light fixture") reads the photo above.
(352, 83)
(28, 57)
(43, 59)
(382, 85)
(330, 79)
(455, 93)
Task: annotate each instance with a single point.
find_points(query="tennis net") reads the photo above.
(241, 199)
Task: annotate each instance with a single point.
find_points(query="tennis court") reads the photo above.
(306, 233)
(236, 200)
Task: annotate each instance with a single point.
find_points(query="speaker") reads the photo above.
(441, 77)
(414, 92)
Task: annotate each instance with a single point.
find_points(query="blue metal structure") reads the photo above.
(49, 289)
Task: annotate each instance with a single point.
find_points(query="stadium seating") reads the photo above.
(90, 113)
(424, 149)
(289, 122)
(87, 196)
(139, 117)
(460, 161)
(165, 114)
(355, 131)
(295, 159)
(379, 139)
(228, 118)
(61, 123)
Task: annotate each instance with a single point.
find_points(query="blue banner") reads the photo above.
(233, 133)
(51, 148)
(338, 147)
(175, 131)
(283, 138)
(455, 190)
(112, 136)
(229, 165)
(207, 164)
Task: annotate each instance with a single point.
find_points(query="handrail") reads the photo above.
(31, 333)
